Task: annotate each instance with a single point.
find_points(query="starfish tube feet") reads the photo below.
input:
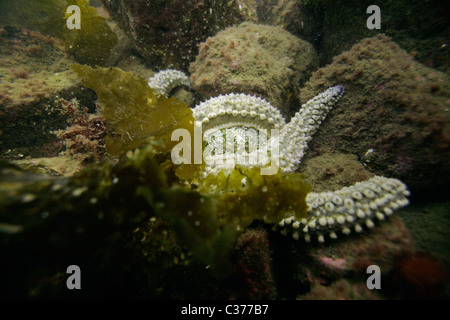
(304, 124)
(167, 80)
(350, 208)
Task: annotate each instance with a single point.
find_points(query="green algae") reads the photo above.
(255, 59)
(194, 218)
(105, 199)
(92, 44)
(108, 200)
(45, 16)
(136, 114)
(245, 195)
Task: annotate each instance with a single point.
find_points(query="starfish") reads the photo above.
(244, 120)
(167, 80)
(227, 118)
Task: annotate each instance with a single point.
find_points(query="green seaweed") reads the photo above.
(135, 113)
(93, 42)
(126, 193)
(97, 210)
(246, 195)
(45, 16)
(107, 201)
(195, 220)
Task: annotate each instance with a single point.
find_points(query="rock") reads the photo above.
(339, 269)
(284, 13)
(61, 165)
(429, 224)
(392, 115)
(167, 33)
(255, 59)
(421, 28)
(340, 290)
(252, 266)
(330, 172)
(418, 275)
(379, 246)
(287, 14)
(34, 69)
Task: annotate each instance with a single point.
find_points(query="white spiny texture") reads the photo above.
(237, 129)
(349, 209)
(299, 131)
(230, 110)
(167, 80)
(226, 118)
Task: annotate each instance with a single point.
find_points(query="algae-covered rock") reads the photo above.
(64, 165)
(429, 224)
(255, 59)
(33, 70)
(330, 172)
(420, 27)
(91, 44)
(167, 33)
(45, 16)
(33, 66)
(287, 14)
(284, 13)
(393, 115)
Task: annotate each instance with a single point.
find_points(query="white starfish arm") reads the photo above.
(295, 135)
(348, 208)
(167, 80)
(225, 111)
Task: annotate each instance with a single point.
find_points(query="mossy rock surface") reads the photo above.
(91, 44)
(333, 171)
(261, 60)
(34, 70)
(392, 117)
